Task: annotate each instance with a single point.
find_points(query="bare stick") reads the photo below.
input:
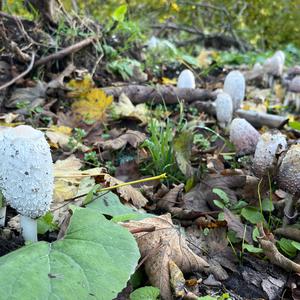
(274, 255)
(64, 52)
(9, 83)
(159, 94)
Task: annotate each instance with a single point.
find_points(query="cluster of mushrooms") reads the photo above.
(26, 176)
(272, 156)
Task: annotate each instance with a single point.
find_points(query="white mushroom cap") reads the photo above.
(186, 79)
(289, 171)
(294, 85)
(274, 65)
(224, 109)
(26, 174)
(244, 136)
(235, 86)
(269, 144)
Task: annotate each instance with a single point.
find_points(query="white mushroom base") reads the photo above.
(29, 228)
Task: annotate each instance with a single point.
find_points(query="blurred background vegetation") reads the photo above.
(266, 24)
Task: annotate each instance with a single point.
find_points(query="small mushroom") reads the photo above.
(288, 175)
(224, 109)
(244, 136)
(26, 175)
(293, 93)
(186, 80)
(273, 67)
(269, 144)
(235, 86)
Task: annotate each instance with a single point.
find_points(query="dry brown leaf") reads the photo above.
(60, 139)
(125, 108)
(168, 201)
(68, 177)
(132, 137)
(162, 245)
(127, 192)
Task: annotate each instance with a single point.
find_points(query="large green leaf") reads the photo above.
(93, 261)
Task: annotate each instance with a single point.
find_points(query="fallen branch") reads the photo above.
(274, 255)
(66, 51)
(257, 119)
(289, 232)
(159, 94)
(15, 79)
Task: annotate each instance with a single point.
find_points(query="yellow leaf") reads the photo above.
(81, 85)
(61, 129)
(166, 81)
(92, 105)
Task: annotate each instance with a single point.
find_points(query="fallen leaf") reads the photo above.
(131, 137)
(162, 245)
(177, 280)
(127, 192)
(125, 109)
(68, 177)
(91, 103)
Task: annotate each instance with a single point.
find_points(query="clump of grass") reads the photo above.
(160, 146)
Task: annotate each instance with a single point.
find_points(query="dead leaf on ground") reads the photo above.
(127, 192)
(68, 178)
(159, 247)
(125, 109)
(168, 201)
(131, 137)
(91, 102)
(234, 223)
(59, 139)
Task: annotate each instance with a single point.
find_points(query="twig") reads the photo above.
(64, 52)
(9, 83)
(273, 254)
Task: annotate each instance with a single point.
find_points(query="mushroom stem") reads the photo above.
(29, 229)
(2, 215)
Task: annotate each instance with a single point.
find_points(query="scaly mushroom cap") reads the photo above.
(289, 171)
(186, 80)
(244, 136)
(224, 109)
(274, 65)
(294, 85)
(26, 174)
(235, 86)
(269, 144)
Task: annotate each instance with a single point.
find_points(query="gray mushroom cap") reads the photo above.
(186, 79)
(274, 64)
(235, 86)
(224, 109)
(288, 176)
(26, 170)
(269, 144)
(244, 136)
(294, 85)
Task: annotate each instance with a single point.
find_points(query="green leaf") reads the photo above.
(219, 204)
(296, 245)
(223, 196)
(252, 215)
(119, 14)
(109, 204)
(287, 247)
(207, 298)
(145, 293)
(89, 197)
(255, 234)
(45, 223)
(267, 205)
(251, 248)
(93, 261)
(294, 125)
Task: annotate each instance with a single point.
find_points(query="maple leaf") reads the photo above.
(92, 102)
(162, 245)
